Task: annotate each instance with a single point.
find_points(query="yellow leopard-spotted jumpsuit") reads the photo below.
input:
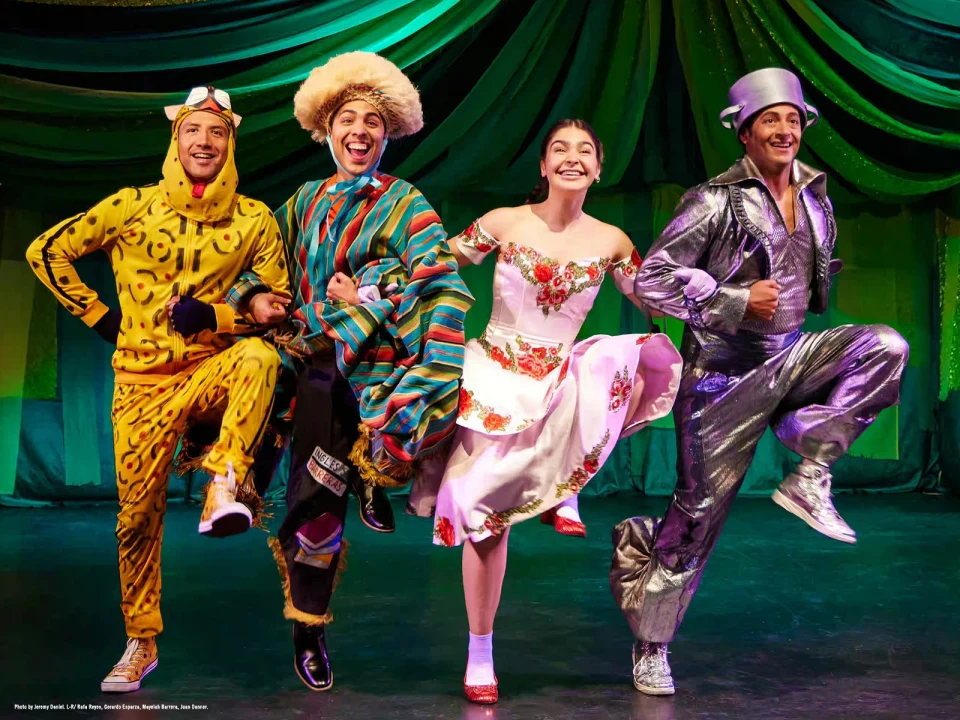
(164, 241)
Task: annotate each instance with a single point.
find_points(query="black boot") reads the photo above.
(375, 510)
(310, 658)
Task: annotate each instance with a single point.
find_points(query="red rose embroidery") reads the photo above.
(497, 355)
(543, 273)
(466, 402)
(484, 247)
(568, 274)
(532, 366)
(563, 370)
(620, 391)
(540, 352)
(444, 532)
(591, 465)
(592, 272)
(578, 480)
(495, 525)
(493, 422)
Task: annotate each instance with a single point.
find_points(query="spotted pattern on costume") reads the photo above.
(234, 389)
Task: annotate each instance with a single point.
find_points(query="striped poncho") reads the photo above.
(403, 354)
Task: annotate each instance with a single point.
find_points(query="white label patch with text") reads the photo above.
(330, 463)
(329, 481)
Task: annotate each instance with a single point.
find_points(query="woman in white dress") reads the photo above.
(539, 412)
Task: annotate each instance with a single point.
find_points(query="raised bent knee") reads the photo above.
(890, 342)
(254, 351)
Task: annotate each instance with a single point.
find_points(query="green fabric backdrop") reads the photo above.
(80, 115)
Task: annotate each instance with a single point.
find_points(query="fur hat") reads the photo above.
(358, 76)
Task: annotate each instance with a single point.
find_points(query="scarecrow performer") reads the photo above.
(375, 334)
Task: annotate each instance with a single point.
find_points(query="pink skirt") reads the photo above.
(506, 466)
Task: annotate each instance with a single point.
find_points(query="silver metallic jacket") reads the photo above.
(719, 224)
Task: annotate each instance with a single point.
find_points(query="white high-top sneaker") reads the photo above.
(138, 660)
(806, 493)
(222, 514)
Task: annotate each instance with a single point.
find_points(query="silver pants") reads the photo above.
(818, 391)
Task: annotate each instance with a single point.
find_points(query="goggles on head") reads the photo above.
(205, 98)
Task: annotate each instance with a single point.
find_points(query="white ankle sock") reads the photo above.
(480, 660)
(569, 509)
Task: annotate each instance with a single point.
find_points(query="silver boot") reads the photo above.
(651, 670)
(806, 493)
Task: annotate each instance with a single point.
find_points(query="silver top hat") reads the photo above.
(761, 89)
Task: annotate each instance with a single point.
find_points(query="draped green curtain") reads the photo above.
(944, 12)
(80, 115)
(750, 34)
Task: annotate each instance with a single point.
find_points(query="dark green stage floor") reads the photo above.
(787, 624)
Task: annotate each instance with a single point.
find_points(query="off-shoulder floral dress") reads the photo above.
(540, 412)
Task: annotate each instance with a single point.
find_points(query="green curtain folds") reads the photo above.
(727, 38)
(944, 12)
(879, 68)
(591, 60)
(763, 28)
(116, 3)
(406, 35)
(564, 58)
(948, 232)
(277, 27)
(918, 35)
(115, 138)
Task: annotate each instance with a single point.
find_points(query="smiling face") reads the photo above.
(571, 163)
(356, 136)
(773, 138)
(202, 144)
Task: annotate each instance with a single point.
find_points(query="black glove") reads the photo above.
(108, 327)
(191, 316)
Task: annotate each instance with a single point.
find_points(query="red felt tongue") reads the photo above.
(198, 190)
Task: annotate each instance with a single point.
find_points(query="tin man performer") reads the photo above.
(746, 255)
